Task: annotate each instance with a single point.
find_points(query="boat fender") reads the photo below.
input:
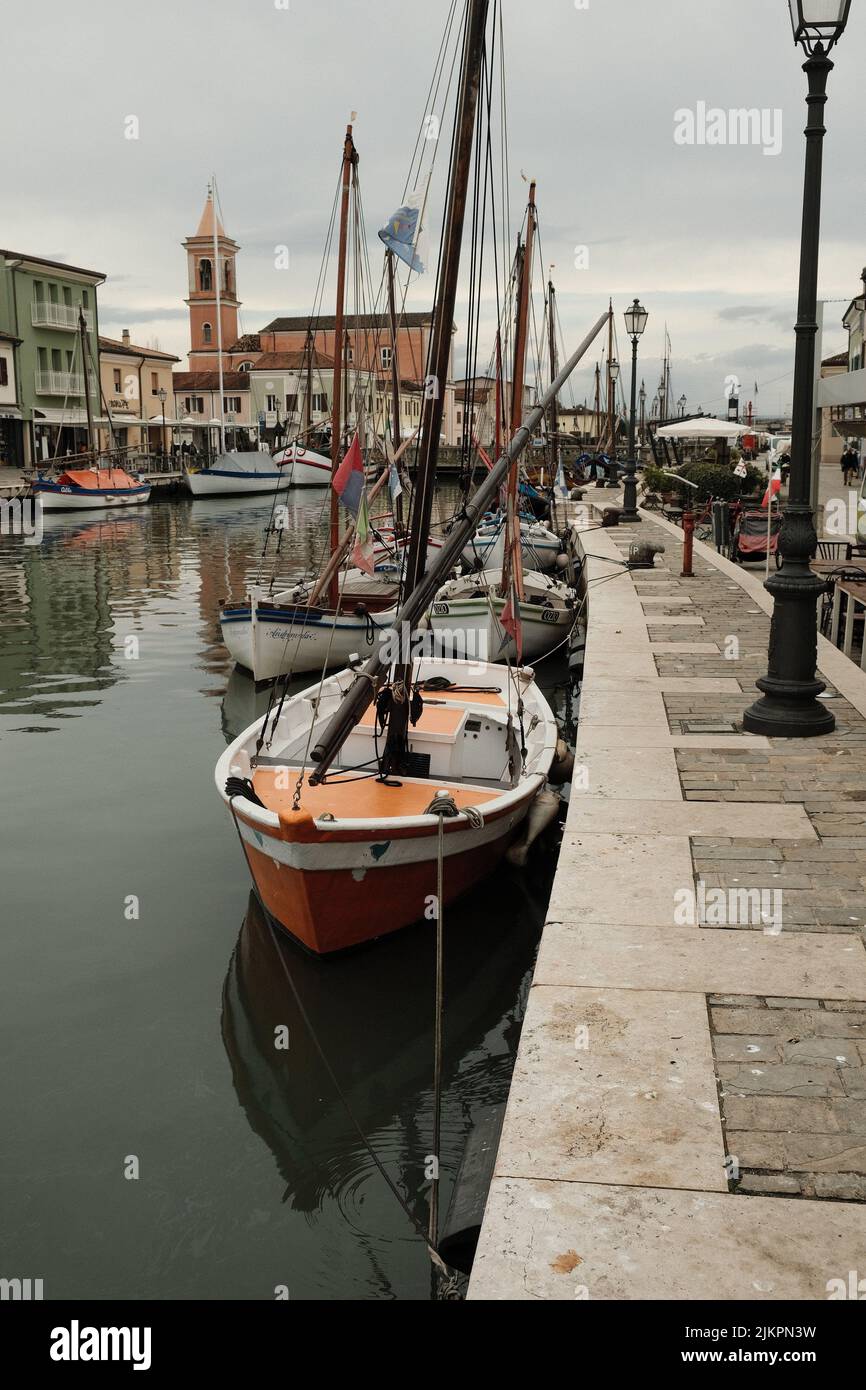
(544, 811)
(563, 765)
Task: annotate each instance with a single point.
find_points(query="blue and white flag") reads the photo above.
(561, 485)
(404, 234)
(395, 487)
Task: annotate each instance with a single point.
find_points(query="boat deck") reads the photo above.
(351, 796)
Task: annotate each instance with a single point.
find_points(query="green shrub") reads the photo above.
(713, 480)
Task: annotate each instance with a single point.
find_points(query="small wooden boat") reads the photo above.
(238, 475)
(466, 616)
(355, 857)
(382, 793)
(271, 635)
(89, 489)
(305, 467)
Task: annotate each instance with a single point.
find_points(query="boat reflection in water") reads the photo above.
(372, 1012)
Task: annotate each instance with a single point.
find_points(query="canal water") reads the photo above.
(141, 987)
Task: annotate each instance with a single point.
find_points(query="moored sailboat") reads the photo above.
(357, 800)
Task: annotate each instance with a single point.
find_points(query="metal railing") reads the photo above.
(50, 383)
(45, 313)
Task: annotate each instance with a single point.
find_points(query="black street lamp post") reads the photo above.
(789, 707)
(635, 323)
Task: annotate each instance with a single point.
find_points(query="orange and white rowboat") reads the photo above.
(357, 858)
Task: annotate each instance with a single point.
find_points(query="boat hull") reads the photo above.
(306, 467)
(541, 548)
(270, 642)
(329, 910)
(52, 497)
(356, 858)
(473, 627)
(223, 480)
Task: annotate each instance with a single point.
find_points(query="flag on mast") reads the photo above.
(774, 489)
(362, 553)
(511, 622)
(349, 480)
(405, 235)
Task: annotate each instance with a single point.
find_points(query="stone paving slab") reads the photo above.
(574, 1240)
(716, 962)
(613, 1064)
(739, 819)
(613, 736)
(646, 772)
(620, 878)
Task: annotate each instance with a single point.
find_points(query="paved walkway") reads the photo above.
(688, 1112)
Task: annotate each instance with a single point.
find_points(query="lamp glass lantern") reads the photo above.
(818, 23)
(613, 369)
(635, 319)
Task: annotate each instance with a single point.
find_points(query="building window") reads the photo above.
(227, 277)
(118, 383)
(245, 367)
(272, 404)
(38, 291)
(194, 405)
(154, 384)
(85, 299)
(232, 405)
(4, 372)
(52, 293)
(206, 333)
(67, 296)
(205, 275)
(320, 402)
(43, 359)
(56, 360)
(386, 357)
(291, 404)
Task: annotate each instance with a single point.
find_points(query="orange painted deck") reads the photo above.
(435, 719)
(471, 697)
(361, 799)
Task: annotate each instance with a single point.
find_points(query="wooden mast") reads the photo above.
(395, 382)
(308, 398)
(611, 399)
(597, 411)
(512, 565)
(350, 159)
(440, 347)
(82, 330)
(553, 422)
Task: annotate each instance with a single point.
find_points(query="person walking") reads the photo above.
(845, 463)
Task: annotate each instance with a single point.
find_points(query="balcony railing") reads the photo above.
(44, 313)
(60, 384)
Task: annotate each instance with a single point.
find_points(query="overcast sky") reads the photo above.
(707, 236)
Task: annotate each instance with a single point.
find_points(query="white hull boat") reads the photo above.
(355, 858)
(486, 550)
(238, 475)
(272, 635)
(306, 468)
(466, 617)
(90, 489)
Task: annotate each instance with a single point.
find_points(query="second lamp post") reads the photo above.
(635, 323)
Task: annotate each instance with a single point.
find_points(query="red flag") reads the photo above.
(349, 478)
(510, 620)
(774, 489)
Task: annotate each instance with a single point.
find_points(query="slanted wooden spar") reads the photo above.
(361, 693)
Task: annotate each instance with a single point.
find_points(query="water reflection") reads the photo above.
(371, 1012)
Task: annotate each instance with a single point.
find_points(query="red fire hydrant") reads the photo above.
(688, 543)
